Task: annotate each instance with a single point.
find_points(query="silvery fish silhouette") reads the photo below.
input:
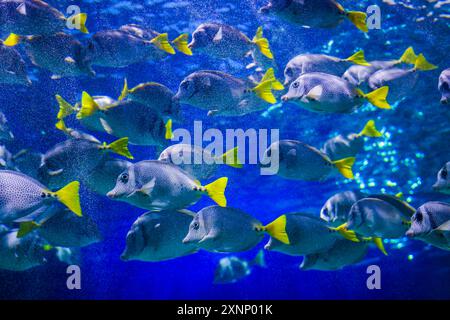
(444, 86)
(336, 209)
(232, 269)
(5, 132)
(158, 236)
(12, 67)
(443, 180)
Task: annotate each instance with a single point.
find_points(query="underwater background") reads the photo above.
(415, 145)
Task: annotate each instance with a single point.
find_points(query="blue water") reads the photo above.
(409, 156)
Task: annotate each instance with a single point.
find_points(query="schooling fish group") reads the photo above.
(39, 202)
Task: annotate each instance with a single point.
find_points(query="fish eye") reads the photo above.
(295, 85)
(418, 217)
(43, 195)
(195, 226)
(124, 178)
(289, 72)
(444, 173)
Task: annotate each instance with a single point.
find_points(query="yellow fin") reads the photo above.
(26, 227)
(358, 58)
(262, 44)
(181, 43)
(169, 133)
(422, 64)
(370, 130)
(60, 125)
(216, 191)
(120, 147)
(277, 229)
(79, 20)
(378, 97)
(88, 106)
(270, 76)
(258, 34)
(345, 167)
(263, 91)
(231, 158)
(65, 108)
(125, 90)
(12, 40)
(347, 234)
(379, 243)
(70, 197)
(358, 18)
(399, 195)
(409, 56)
(162, 42)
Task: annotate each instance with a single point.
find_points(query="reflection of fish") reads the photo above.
(12, 67)
(232, 269)
(157, 236)
(444, 86)
(443, 180)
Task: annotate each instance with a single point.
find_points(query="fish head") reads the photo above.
(351, 76)
(197, 230)
(443, 179)
(296, 91)
(420, 222)
(444, 86)
(135, 243)
(125, 185)
(189, 88)
(291, 72)
(200, 37)
(328, 212)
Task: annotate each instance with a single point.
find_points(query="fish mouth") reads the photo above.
(285, 98)
(112, 195)
(410, 234)
(186, 241)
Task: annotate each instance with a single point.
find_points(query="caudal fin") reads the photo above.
(358, 58)
(12, 40)
(125, 90)
(69, 196)
(65, 108)
(270, 76)
(422, 64)
(230, 158)
(79, 20)
(345, 167)
(277, 229)
(169, 134)
(262, 43)
(344, 232)
(378, 97)
(61, 125)
(181, 43)
(370, 130)
(216, 191)
(162, 42)
(88, 106)
(120, 147)
(264, 91)
(358, 18)
(409, 56)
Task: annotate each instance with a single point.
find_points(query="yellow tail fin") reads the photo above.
(120, 147)
(379, 243)
(88, 106)
(26, 227)
(409, 56)
(277, 229)
(216, 191)
(70, 197)
(347, 234)
(358, 58)
(125, 90)
(65, 108)
(270, 76)
(422, 64)
(262, 43)
(12, 40)
(370, 130)
(264, 91)
(169, 133)
(162, 42)
(231, 158)
(345, 167)
(358, 18)
(378, 97)
(80, 21)
(60, 125)
(181, 43)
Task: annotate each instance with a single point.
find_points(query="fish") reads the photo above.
(13, 69)
(343, 253)
(199, 162)
(300, 161)
(401, 82)
(7, 159)
(157, 236)
(28, 162)
(156, 186)
(75, 134)
(220, 229)
(444, 86)
(381, 216)
(307, 63)
(223, 94)
(5, 131)
(431, 223)
(340, 146)
(336, 209)
(23, 199)
(128, 45)
(60, 53)
(140, 124)
(74, 158)
(359, 74)
(232, 269)
(314, 13)
(224, 41)
(36, 17)
(307, 234)
(63, 229)
(155, 96)
(326, 93)
(443, 180)
(20, 254)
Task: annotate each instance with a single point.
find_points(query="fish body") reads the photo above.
(336, 209)
(7, 161)
(401, 82)
(358, 75)
(341, 146)
(12, 67)
(444, 86)
(157, 236)
(5, 132)
(443, 180)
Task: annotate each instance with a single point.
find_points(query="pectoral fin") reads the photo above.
(106, 126)
(22, 9)
(148, 187)
(315, 93)
(218, 36)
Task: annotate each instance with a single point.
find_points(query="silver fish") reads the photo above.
(232, 269)
(5, 132)
(443, 180)
(444, 86)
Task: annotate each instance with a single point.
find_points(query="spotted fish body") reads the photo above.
(12, 67)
